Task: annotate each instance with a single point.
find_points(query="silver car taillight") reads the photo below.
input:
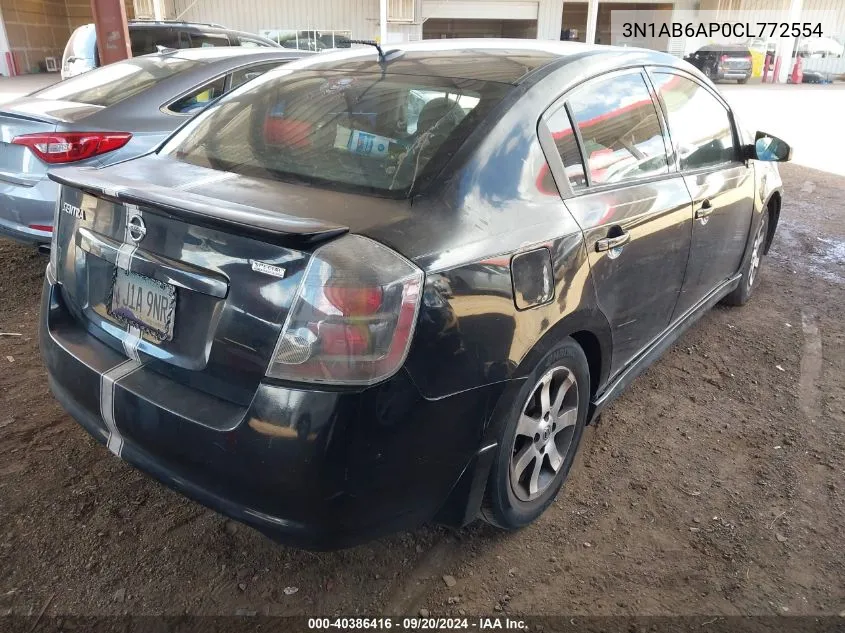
(353, 318)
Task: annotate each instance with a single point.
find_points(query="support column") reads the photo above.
(786, 46)
(549, 19)
(382, 22)
(112, 30)
(592, 20)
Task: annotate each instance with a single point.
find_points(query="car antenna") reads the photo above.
(381, 57)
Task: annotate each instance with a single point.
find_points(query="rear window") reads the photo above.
(147, 40)
(380, 133)
(82, 43)
(107, 85)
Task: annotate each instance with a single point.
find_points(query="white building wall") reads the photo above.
(358, 16)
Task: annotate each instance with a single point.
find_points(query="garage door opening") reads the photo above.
(438, 28)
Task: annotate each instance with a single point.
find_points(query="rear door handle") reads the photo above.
(609, 243)
(704, 210)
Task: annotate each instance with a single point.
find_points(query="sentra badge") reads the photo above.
(76, 212)
(267, 269)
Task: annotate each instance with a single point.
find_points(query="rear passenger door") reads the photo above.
(706, 147)
(633, 208)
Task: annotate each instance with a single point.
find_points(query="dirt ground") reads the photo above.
(713, 486)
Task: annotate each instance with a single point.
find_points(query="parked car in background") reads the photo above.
(719, 62)
(111, 114)
(258, 315)
(81, 54)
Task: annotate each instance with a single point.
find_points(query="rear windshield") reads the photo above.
(82, 43)
(379, 133)
(107, 85)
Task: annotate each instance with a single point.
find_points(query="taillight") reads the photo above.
(723, 59)
(353, 317)
(67, 147)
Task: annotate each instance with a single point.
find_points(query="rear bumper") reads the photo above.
(314, 469)
(22, 206)
(734, 74)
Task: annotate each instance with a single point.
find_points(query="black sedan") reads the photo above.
(368, 290)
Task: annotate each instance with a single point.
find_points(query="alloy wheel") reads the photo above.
(756, 253)
(544, 433)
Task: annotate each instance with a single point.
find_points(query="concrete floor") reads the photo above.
(12, 88)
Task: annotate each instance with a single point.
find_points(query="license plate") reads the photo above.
(145, 302)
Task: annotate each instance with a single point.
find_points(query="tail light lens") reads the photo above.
(67, 147)
(723, 59)
(353, 318)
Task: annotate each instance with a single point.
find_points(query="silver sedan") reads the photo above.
(108, 115)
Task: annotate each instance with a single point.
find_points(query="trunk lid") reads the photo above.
(233, 255)
(31, 116)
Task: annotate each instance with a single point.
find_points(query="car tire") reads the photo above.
(742, 81)
(751, 271)
(542, 423)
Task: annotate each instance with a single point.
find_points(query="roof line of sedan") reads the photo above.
(546, 55)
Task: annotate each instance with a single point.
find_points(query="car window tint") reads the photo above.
(200, 97)
(202, 40)
(698, 124)
(146, 40)
(110, 84)
(243, 75)
(332, 128)
(567, 146)
(620, 130)
(250, 42)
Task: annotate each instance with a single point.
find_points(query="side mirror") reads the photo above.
(770, 148)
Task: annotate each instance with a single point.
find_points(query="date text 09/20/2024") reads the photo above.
(416, 624)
